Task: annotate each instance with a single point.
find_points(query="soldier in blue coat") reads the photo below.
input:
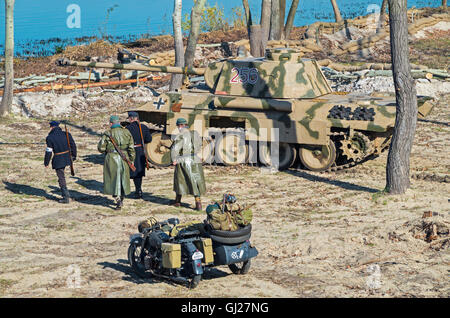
(141, 136)
(58, 148)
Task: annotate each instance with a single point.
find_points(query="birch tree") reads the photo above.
(254, 32)
(6, 103)
(337, 12)
(177, 79)
(397, 168)
(266, 8)
(290, 19)
(272, 23)
(196, 15)
(275, 30)
(382, 16)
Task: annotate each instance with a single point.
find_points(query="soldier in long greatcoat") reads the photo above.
(116, 172)
(58, 147)
(188, 176)
(141, 136)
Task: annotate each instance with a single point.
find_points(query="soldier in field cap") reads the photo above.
(115, 142)
(188, 177)
(141, 136)
(58, 147)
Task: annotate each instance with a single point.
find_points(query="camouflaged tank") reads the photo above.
(247, 104)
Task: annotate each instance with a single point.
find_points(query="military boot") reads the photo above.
(198, 204)
(119, 203)
(177, 202)
(65, 196)
(138, 186)
(138, 194)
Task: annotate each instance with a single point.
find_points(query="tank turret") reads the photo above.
(281, 74)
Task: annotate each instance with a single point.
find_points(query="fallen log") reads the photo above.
(388, 73)
(373, 66)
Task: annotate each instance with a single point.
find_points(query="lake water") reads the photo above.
(42, 25)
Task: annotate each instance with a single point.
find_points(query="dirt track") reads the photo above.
(319, 235)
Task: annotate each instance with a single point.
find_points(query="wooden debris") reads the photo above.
(77, 86)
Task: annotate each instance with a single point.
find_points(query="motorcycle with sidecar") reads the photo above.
(164, 250)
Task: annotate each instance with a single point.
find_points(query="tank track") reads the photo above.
(375, 152)
(336, 135)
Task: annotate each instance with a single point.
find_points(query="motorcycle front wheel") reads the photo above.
(134, 258)
(240, 268)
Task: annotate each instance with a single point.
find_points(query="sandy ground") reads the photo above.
(318, 234)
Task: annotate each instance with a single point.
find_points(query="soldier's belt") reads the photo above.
(61, 153)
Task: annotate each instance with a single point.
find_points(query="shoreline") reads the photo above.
(35, 48)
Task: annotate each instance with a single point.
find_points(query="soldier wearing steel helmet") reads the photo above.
(188, 176)
(116, 171)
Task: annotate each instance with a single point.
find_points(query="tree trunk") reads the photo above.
(255, 41)
(196, 15)
(266, 8)
(397, 169)
(290, 18)
(248, 15)
(382, 20)
(5, 106)
(282, 17)
(337, 12)
(275, 31)
(177, 79)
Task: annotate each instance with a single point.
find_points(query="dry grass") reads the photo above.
(318, 234)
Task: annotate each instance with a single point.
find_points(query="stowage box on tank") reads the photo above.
(249, 103)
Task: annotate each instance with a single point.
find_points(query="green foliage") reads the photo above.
(377, 195)
(213, 19)
(59, 49)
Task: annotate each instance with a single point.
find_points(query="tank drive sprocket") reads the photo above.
(356, 147)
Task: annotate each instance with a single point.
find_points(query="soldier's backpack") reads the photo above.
(244, 217)
(224, 221)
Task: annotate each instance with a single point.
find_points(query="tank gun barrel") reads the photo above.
(134, 67)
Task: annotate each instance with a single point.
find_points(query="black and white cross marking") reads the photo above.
(159, 103)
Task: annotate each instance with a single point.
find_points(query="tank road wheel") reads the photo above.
(231, 149)
(158, 151)
(286, 153)
(317, 158)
